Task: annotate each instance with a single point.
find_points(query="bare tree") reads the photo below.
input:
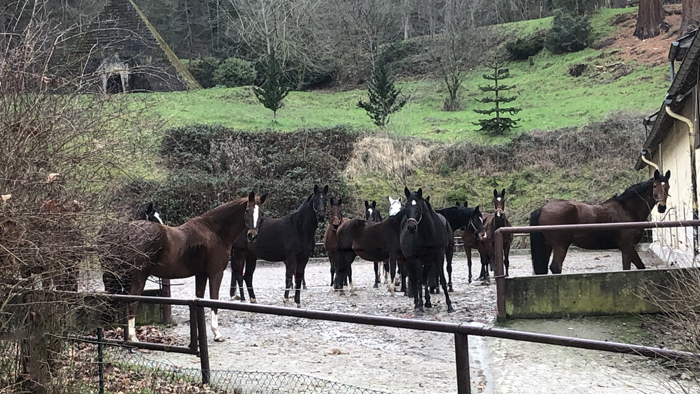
(690, 16)
(650, 19)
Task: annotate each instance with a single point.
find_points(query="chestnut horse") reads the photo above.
(131, 252)
(290, 238)
(633, 205)
(330, 237)
(373, 215)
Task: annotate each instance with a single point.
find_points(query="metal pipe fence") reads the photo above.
(498, 244)
(461, 331)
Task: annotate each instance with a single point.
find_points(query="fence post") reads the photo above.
(193, 329)
(100, 361)
(167, 309)
(203, 347)
(500, 276)
(462, 359)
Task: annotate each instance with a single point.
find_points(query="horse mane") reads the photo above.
(633, 191)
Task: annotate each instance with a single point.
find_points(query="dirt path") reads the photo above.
(402, 361)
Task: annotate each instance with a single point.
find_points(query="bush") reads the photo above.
(189, 146)
(234, 72)
(569, 33)
(522, 49)
(203, 70)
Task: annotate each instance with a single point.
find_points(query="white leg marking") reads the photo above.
(132, 330)
(215, 327)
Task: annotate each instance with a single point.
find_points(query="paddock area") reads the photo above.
(400, 361)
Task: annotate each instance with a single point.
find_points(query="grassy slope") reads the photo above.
(550, 98)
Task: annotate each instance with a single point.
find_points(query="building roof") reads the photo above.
(687, 46)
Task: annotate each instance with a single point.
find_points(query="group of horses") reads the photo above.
(414, 237)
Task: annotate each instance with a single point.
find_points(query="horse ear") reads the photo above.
(399, 199)
(340, 201)
(456, 203)
(668, 174)
(427, 199)
(476, 210)
(263, 198)
(251, 197)
(149, 208)
(420, 192)
(374, 204)
(391, 200)
(332, 201)
(325, 189)
(407, 192)
(465, 204)
(503, 193)
(366, 204)
(495, 193)
(656, 174)
(315, 189)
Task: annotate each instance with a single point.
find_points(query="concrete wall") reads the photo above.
(600, 293)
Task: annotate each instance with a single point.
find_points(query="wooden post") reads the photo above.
(167, 308)
(462, 359)
(203, 347)
(500, 277)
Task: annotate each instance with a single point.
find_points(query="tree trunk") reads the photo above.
(649, 19)
(689, 16)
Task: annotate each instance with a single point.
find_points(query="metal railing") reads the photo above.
(461, 332)
(498, 244)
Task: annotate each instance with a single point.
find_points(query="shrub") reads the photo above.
(234, 72)
(203, 70)
(569, 33)
(189, 146)
(522, 49)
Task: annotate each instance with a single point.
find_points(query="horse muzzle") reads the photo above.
(499, 213)
(483, 237)
(662, 207)
(252, 235)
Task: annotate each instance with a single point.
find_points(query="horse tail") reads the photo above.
(537, 246)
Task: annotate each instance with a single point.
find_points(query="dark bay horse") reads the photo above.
(330, 237)
(131, 252)
(499, 220)
(468, 219)
(290, 238)
(373, 215)
(633, 205)
(372, 241)
(423, 238)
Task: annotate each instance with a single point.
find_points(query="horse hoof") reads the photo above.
(420, 309)
(219, 339)
(304, 287)
(133, 339)
(286, 301)
(450, 309)
(253, 301)
(299, 305)
(236, 297)
(428, 305)
(375, 286)
(450, 289)
(342, 292)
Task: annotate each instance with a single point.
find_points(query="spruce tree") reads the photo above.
(499, 124)
(273, 90)
(384, 97)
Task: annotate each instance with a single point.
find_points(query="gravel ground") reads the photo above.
(402, 361)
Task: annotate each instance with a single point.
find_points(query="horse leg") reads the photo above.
(214, 285)
(237, 266)
(506, 252)
(291, 265)
(558, 258)
(349, 279)
(449, 253)
(444, 284)
(332, 258)
(629, 256)
(390, 284)
(251, 262)
(417, 285)
(468, 251)
(428, 286)
(301, 267)
(136, 288)
(376, 274)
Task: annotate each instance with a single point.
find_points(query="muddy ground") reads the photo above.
(402, 361)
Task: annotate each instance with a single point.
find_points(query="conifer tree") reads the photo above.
(273, 90)
(499, 124)
(384, 97)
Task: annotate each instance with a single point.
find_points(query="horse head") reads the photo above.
(253, 215)
(371, 212)
(152, 214)
(416, 206)
(394, 206)
(660, 189)
(318, 202)
(336, 213)
(499, 202)
(475, 225)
